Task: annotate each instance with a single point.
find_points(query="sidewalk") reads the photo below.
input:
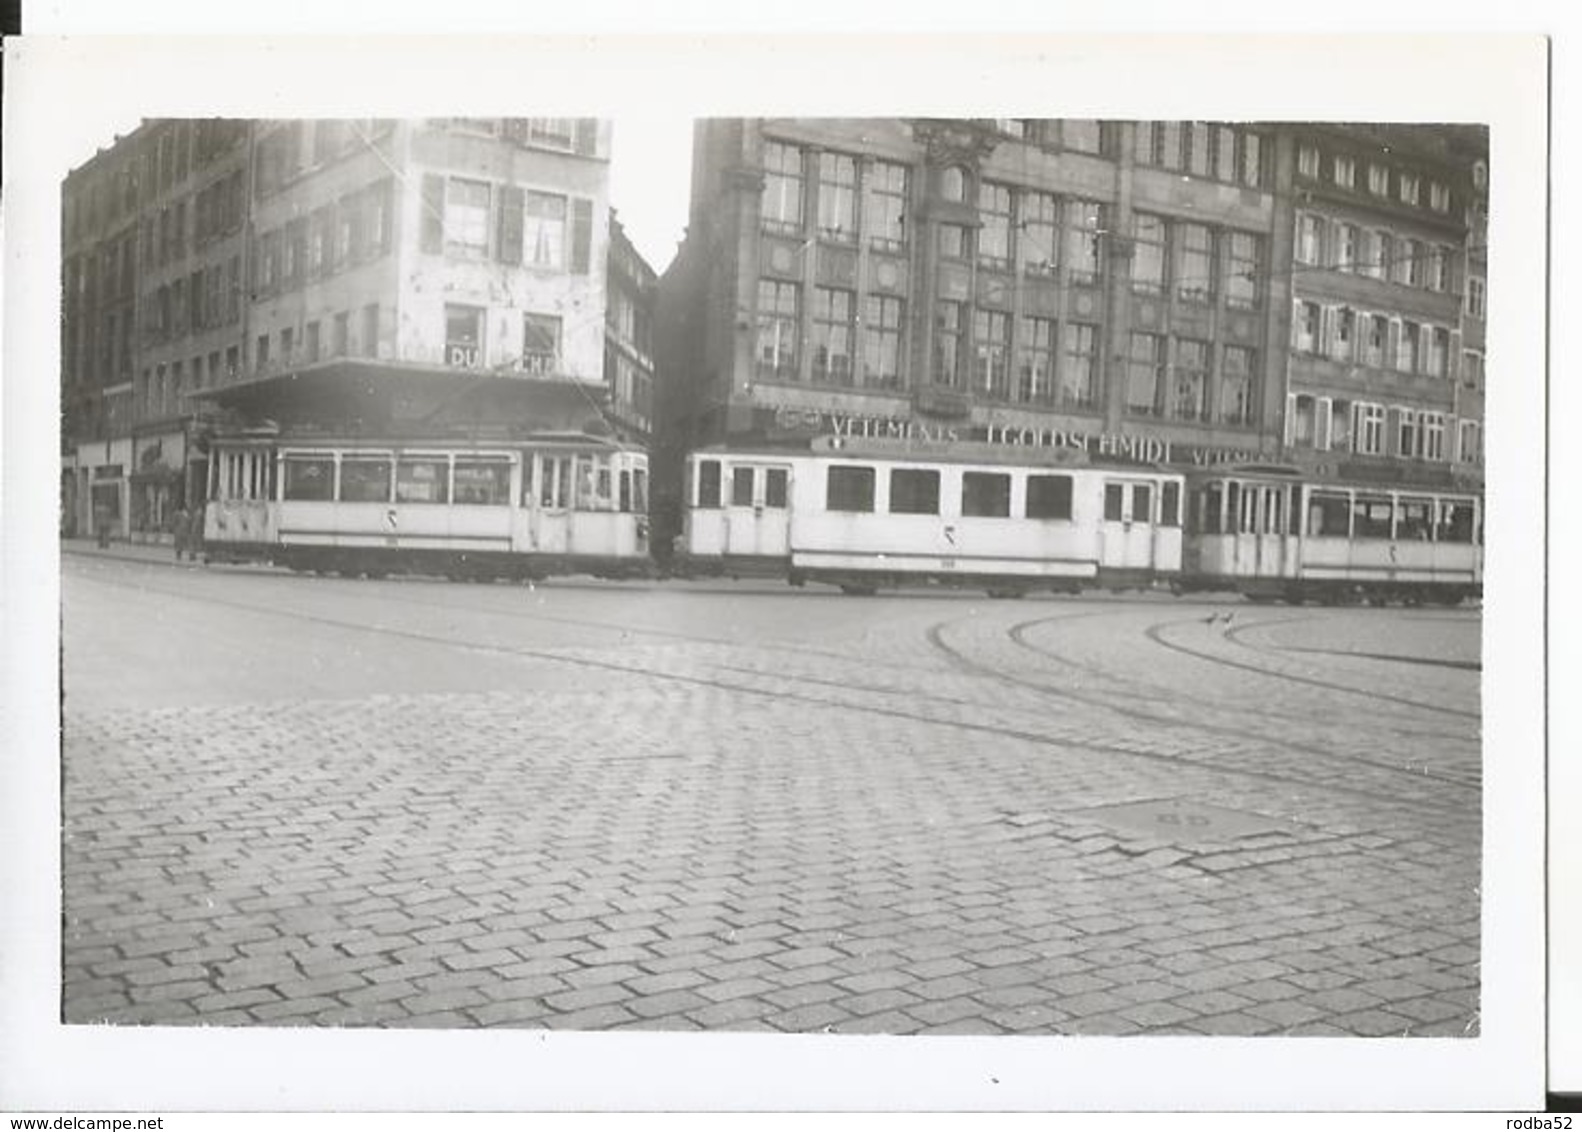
(163, 553)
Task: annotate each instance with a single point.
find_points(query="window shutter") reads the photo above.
(1290, 419)
(1296, 323)
(1425, 345)
(509, 249)
(433, 229)
(585, 136)
(1392, 432)
(1453, 357)
(581, 235)
(1321, 424)
(1327, 317)
(1392, 345)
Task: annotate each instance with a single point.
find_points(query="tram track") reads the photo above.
(997, 730)
(1155, 633)
(935, 636)
(1019, 634)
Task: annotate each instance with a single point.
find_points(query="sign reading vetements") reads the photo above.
(1144, 449)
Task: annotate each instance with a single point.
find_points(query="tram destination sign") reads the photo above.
(787, 422)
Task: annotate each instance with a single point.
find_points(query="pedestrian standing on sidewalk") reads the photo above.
(195, 532)
(178, 527)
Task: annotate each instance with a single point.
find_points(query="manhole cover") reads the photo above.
(1179, 819)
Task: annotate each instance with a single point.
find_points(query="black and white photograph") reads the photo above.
(862, 579)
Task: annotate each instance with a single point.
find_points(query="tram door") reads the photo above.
(1263, 525)
(546, 502)
(757, 518)
(1126, 536)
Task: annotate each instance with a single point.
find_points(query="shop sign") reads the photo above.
(1142, 448)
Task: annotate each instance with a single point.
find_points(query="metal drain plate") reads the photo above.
(1182, 820)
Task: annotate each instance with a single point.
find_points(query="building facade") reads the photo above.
(1140, 290)
(629, 334)
(334, 276)
(1389, 289)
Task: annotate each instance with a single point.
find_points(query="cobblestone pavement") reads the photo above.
(321, 802)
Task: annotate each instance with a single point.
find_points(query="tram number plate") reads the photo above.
(947, 563)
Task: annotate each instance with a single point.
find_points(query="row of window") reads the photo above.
(631, 389)
(104, 275)
(338, 235)
(466, 340)
(1236, 508)
(321, 339)
(567, 135)
(1380, 180)
(164, 158)
(1171, 377)
(1197, 262)
(582, 483)
(988, 495)
(218, 209)
(474, 219)
(160, 389)
(296, 147)
(1378, 253)
(1368, 428)
(1376, 340)
(1202, 149)
(840, 181)
(204, 300)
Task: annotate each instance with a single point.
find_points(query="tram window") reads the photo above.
(640, 491)
(1112, 502)
(593, 484)
(485, 482)
(309, 478)
(365, 481)
(1455, 521)
(626, 490)
(1049, 497)
(527, 479)
(709, 483)
(741, 487)
(914, 491)
(1413, 522)
(849, 488)
(1370, 518)
(1273, 511)
(554, 489)
(986, 494)
(1294, 517)
(1328, 516)
(1142, 503)
(1170, 505)
(422, 481)
(1246, 505)
(775, 487)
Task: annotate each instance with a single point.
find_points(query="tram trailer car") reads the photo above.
(854, 516)
(564, 504)
(1271, 535)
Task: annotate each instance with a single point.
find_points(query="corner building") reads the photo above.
(1132, 289)
(428, 278)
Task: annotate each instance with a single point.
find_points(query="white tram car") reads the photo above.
(556, 504)
(1272, 536)
(856, 515)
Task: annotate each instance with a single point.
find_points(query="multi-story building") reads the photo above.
(1139, 290)
(629, 333)
(397, 277)
(1385, 285)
